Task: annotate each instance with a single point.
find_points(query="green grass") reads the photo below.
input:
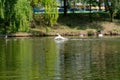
(74, 23)
(83, 20)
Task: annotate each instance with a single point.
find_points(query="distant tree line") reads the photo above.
(112, 6)
(16, 15)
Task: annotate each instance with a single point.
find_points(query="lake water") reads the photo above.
(43, 58)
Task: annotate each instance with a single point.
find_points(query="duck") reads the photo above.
(82, 35)
(59, 37)
(6, 36)
(100, 35)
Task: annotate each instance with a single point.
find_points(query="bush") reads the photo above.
(90, 32)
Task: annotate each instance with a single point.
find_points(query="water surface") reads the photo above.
(46, 59)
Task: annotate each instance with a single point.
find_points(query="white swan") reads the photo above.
(59, 37)
(100, 35)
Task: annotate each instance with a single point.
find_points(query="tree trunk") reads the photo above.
(90, 14)
(111, 16)
(65, 7)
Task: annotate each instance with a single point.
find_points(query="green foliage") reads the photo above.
(117, 8)
(90, 32)
(93, 2)
(16, 13)
(51, 12)
(2, 8)
(23, 15)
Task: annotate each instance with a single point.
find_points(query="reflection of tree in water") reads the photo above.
(76, 60)
(112, 60)
(60, 44)
(97, 60)
(48, 65)
(90, 59)
(104, 61)
(71, 60)
(16, 60)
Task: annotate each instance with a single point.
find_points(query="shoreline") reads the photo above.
(25, 34)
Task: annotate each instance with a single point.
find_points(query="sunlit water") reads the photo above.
(46, 59)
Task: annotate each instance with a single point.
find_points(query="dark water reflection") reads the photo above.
(46, 59)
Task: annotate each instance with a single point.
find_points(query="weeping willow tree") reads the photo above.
(4, 14)
(2, 8)
(16, 14)
(51, 12)
(23, 15)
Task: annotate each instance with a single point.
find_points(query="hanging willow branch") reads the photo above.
(23, 15)
(2, 2)
(17, 14)
(51, 12)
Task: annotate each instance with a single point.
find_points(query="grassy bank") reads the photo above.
(74, 24)
(80, 23)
